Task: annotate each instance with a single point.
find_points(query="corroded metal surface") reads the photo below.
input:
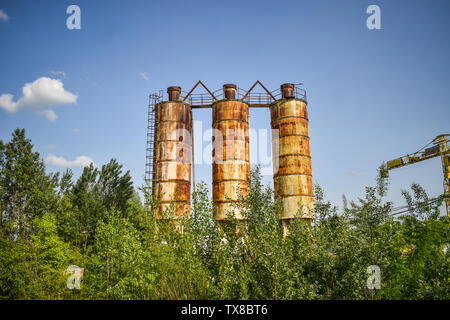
(174, 93)
(293, 182)
(229, 91)
(172, 182)
(287, 90)
(231, 163)
(291, 149)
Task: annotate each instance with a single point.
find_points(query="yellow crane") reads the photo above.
(440, 148)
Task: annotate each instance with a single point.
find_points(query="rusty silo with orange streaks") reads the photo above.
(293, 182)
(231, 160)
(172, 181)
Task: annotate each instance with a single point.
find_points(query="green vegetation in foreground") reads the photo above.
(50, 221)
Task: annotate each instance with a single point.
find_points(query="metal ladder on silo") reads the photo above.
(154, 99)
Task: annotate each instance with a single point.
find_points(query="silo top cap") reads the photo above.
(287, 86)
(174, 88)
(229, 86)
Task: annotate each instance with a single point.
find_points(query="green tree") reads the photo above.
(119, 267)
(17, 262)
(53, 256)
(421, 268)
(26, 192)
(98, 222)
(92, 197)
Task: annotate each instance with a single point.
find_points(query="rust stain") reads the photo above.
(231, 160)
(293, 180)
(174, 93)
(172, 182)
(229, 91)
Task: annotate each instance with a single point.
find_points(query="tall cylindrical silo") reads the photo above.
(293, 181)
(172, 182)
(231, 160)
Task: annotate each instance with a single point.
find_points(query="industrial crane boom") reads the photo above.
(440, 148)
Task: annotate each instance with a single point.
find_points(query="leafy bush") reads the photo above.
(97, 222)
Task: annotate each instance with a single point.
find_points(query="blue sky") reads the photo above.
(373, 94)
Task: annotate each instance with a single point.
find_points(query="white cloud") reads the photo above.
(81, 161)
(3, 15)
(58, 73)
(7, 103)
(51, 147)
(49, 114)
(38, 96)
(144, 75)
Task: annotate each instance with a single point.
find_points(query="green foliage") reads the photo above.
(119, 267)
(26, 192)
(16, 262)
(91, 198)
(97, 222)
(53, 257)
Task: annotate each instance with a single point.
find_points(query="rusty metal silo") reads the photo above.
(172, 181)
(293, 182)
(231, 160)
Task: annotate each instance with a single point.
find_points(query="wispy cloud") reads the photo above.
(3, 15)
(39, 96)
(58, 73)
(51, 147)
(81, 161)
(144, 75)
